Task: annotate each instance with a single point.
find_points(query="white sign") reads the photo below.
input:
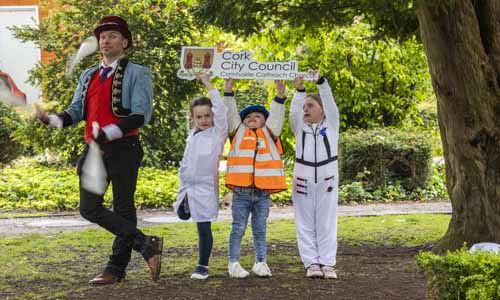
(237, 65)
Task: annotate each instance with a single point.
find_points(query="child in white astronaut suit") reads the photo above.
(315, 123)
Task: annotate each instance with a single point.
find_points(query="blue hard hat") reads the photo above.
(254, 108)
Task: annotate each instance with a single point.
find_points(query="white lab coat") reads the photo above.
(315, 188)
(198, 172)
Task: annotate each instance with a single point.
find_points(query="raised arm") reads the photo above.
(233, 118)
(332, 115)
(276, 117)
(296, 107)
(218, 108)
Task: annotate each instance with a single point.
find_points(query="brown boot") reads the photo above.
(105, 278)
(154, 261)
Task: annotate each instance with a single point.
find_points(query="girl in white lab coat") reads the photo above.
(315, 123)
(198, 196)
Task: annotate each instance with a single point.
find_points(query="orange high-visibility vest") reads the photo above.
(255, 160)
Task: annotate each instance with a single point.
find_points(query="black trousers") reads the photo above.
(205, 242)
(122, 159)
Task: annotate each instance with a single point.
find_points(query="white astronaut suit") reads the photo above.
(315, 180)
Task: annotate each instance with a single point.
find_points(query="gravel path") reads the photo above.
(72, 221)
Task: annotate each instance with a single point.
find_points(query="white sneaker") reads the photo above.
(314, 271)
(200, 273)
(237, 271)
(329, 272)
(261, 269)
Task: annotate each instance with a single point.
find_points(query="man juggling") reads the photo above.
(114, 98)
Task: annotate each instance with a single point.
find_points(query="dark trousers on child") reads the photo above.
(205, 242)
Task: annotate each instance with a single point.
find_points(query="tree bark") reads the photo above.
(462, 44)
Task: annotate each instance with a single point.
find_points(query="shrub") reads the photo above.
(40, 185)
(357, 191)
(379, 157)
(461, 275)
(50, 188)
(9, 121)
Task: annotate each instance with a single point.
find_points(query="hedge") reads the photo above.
(40, 187)
(380, 157)
(9, 121)
(461, 275)
(32, 185)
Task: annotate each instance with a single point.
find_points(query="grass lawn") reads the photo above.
(58, 266)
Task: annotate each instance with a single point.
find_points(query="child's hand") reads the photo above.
(280, 87)
(205, 79)
(298, 82)
(228, 85)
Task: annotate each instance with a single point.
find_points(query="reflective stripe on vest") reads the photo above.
(255, 160)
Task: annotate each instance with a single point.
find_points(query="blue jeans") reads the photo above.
(246, 201)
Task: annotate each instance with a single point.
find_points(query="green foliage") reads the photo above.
(461, 275)
(391, 18)
(379, 157)
(375, 82)
(428, 121)
(160, 28)
(9, 121)
(40, 188)
(50, 188)
(359, 191)
(34, 186)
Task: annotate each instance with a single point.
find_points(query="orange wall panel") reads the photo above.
(18, 2)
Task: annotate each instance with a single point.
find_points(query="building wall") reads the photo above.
(43, 12)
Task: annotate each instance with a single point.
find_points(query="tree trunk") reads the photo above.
(462, 43)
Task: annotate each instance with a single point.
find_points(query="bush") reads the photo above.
(50, 188)
(357, 191)
(9, 121)
(461, 275)
(381, 157)
(43, 185)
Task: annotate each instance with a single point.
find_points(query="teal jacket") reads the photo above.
(131, 92)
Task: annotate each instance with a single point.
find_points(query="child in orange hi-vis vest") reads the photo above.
(254, 171)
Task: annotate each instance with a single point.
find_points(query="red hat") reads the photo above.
(114, 23)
